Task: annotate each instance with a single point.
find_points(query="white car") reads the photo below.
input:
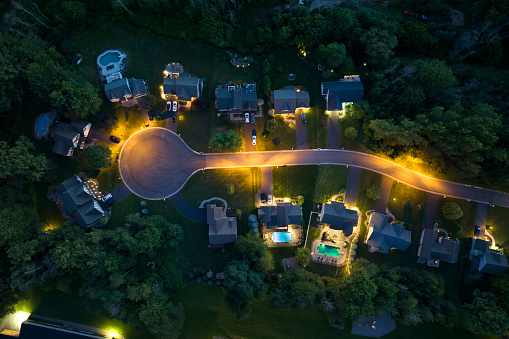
(254, 139)
(246, 116)
(269, 199)
(174, 106)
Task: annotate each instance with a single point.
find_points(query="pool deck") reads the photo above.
(382, 323)
(103, 72)
(296, 231)
(337, 239)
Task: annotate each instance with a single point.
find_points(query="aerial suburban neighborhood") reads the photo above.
(270, 169)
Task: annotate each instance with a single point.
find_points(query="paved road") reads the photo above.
(155, 163)
(354, 176)
(193, 213)
(481, 216)
(301, 132)
(430, 215)
(333, 131)
(386, 186)
(248, 133)
(99, 134)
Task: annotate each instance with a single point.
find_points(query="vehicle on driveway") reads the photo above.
(263, 198)
(173, 118)
(269, 199)
(246, 116)
(168, 105)
(114, 139)
(254, 140)
(477, 230)
(303, 117)
(252, 118)
(150, 115)
(174, 106)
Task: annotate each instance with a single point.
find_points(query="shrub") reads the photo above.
(276, 141)
(374, 192)
(351, 133)
(272, 125)
(230, 188)
(452, 211)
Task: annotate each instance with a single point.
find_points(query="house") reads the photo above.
(289, 99)
(338, 94)
(236, 101)
(40, 329)
(123, 89)
(70, 136)
(383, 235)
(338, 217)
(280, 216)
(222, 229)
(436, 247)
(179, 84)
(78, 204)
(487, 260)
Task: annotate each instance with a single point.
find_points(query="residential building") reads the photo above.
(179, 84)
(436, 246)
(68, 137)
(78, 204)
(383, 235)
(280, 216)
(31, 329)
(123, 89)
(289, 99)
(338, 217)
(222, 229)
(487, 260)
(338, 94)
(236, 101)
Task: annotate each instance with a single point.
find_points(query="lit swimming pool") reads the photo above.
(109, 58)
(328, 250)
(42, 123)
(282, 236)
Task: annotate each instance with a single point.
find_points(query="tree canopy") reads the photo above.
(99, 155)
(227, 141)
(19, 162)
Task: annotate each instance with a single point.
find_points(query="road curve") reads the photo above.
(162, 175)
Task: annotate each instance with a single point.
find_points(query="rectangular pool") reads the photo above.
(282, 236)
(328, 250)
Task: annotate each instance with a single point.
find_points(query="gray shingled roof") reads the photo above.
(64, 136)
(281, 215)
(491, 261)
(222, 229)
(339, 92)
(430, 249)
(184, 87)
(138, 87)
(236, 100)
(338, 217)
(287, 100)
(383, 235)
(118, 89)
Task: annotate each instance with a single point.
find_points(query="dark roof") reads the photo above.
(236, 100)
(342, 91)
(118, 89)
(430, 249)
(184, 87)
(281, 215)
(222, 229)
(32, 330)
(174, 67)
(338, 217)
(491, 261)
(65, 136)
(138, 87)
(288, 99)
(383, 235)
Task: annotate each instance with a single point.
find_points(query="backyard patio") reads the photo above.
(282, 238)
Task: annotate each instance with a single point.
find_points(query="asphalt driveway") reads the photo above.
(333, 131)
(430, 215)
(103, 136)
(386, 186)
(248, 133)
(352, 186)
(301, 132)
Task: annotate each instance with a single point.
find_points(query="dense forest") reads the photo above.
(455, 122)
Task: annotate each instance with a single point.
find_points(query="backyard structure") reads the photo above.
(68, 137)
(375, 326)
(236, 101)
(281, 224)
(222, 229)
(486, 259)
(289, 100)
(383, 235)
(436, 246)
(180, 85)
(110, 64)
(338, 94)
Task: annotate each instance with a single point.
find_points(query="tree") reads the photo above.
(18, 162)
(300, 287)
(267, 85)
(452, 210)
(251, 245)
(435, 76)
(199, 104)
(358, 292)
(272, 125)
(99, 155)
(230, 188)
(486, 317)
(351, 133)
(162, 318)
(76, 99)
(18, 224)
(334, 54)
(227, 141)
(265, 263)
(303, 256)
(379, 43)
(374, 192)
(266, 67)
(72, 13)
(500, 287)
(356, 111)
(416, 38)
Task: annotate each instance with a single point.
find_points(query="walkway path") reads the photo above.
(430, 215)
(333, 131)
(155, 163)
(386, 186)
(352, 186)
(301, 132)
(193, 213)
(202, 205)
(169, 124)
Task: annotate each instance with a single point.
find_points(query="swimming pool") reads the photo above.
(282, 236)
(42, 123)
(328, 250)
(109, 58)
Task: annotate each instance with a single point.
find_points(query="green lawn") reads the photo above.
(353, 145)
(464, 226)
(317, 134)
(498, 222)
(284, 132)
(368, 178)
(402, 193)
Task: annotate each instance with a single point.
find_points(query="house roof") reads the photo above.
(338, 217)
(222, 229)
(138, 87)
(493, 262)
(342, 91)
(65, 136)
(430, 249)
(31, 330)
(118, 89)
(281, 215)
(288, 99)
(236, 100)
(80, 126)
(184, 87)
(89, 213)
(384, 235)
(174, 67)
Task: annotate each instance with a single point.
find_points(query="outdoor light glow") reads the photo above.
(364, 64)
(394, 199)
(113, 334)
(20, 317)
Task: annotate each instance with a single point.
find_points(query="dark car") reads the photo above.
(252, 118)
(168, 105)
(303, 117)
(173, 118)
(254, 132)
(477, 230)
(114, 139)
(150, 115)
(263, 198)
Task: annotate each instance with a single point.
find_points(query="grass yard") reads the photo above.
(317, 134)
(402, 193)
(368, 178)
(464, 226)
(498, 221)
(353, 145)
(284, 132)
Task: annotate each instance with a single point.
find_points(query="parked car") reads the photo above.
(114, 139)
(174, 106)
(173, 118)
(150, 115)
(252, 118)
(168, 105)
(303, 117)
(254, 140)
(477, 230)
(107, 197)
(269, 199)
(263, 197)
(246, 116)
